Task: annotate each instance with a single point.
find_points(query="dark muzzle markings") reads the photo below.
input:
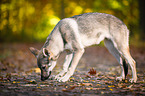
(44, 66)
(46, 76)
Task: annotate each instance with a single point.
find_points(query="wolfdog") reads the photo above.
(78, 32)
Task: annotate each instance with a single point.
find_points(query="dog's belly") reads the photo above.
(86, 41)
(93, 39)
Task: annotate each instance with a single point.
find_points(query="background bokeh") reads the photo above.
(33, 20)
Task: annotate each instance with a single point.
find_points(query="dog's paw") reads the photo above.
(132, 80)
(64, 78)
(60, 74)
(57, 77)
(119, 78)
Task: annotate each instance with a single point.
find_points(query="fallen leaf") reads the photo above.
(14, 82)
(38, 87)
(90, 88)
(112, 78)
(69, 89)
(36, 70)
(98, 85)
(111, 86)
(121, 85)
(102, 92)
(111, 89)
(92, 72)
(86, 84)
(32, 82)
(29, 85)
(85, 81)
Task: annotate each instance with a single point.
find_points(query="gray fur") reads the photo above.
(78, 32)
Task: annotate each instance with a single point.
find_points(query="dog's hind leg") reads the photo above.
(125, 66)
(113, 50)
(66, 65)
(130, 61)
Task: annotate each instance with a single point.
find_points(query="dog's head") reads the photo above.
(45, 61)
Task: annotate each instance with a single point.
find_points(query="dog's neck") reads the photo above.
(54, 43)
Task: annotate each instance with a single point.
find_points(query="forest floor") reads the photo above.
(94, 75)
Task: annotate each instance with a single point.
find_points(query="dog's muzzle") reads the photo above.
(43, 78)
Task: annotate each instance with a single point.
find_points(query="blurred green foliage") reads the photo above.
(33, 20)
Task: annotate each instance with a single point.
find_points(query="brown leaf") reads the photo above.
(92, 72)
(32, 82)
(121, 85)
(112, 78)
(86, 84)
(69, 89)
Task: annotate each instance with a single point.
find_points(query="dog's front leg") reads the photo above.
(66, 64)
(77, 55)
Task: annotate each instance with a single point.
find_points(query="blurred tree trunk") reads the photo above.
(62, 9)
(0, 21)
(142, 18)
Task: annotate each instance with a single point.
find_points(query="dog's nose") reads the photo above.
(44, 78)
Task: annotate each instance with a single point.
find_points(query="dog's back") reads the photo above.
(92, 28)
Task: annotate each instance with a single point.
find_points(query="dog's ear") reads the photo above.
(34, 51)
(45, 52)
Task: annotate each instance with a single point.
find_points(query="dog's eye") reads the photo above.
(44, 61)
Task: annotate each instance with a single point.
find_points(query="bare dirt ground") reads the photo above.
(94, 75)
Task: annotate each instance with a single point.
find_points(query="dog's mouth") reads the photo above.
(43, 78)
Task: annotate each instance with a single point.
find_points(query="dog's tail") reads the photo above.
(125, 66)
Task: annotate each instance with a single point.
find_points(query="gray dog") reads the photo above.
(74, 34)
